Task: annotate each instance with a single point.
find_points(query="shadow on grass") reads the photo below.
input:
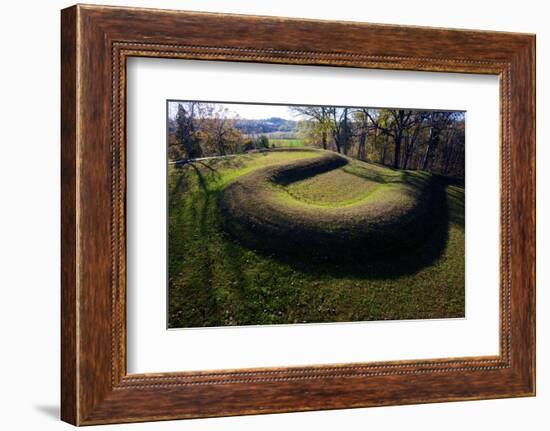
(204, 309)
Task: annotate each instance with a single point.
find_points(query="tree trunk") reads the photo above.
(221, 147)
(336, 141)
(408, 151)
(324, 139)
(428, 149)
(384, 150)
(448, 150)
(345, 132)
(397, 152)
(362, 145)
(374, 141)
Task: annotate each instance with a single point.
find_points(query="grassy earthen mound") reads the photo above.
(331, 208)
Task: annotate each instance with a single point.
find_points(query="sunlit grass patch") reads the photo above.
(332, 188)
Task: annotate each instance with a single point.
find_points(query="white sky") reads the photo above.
(251, 111)
(248, 111)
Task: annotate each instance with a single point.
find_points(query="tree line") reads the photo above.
(207, 129)
(400, 138)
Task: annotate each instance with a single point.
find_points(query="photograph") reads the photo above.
(300, 214)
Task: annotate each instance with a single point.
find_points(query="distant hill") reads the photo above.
(254, 127)
(267, 125)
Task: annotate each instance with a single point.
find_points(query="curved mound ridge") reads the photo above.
(329, 207)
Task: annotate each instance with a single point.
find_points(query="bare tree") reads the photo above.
(396, 126)
(364, 121)
(438, 122)
(341, 129)
(218, 130)
(321, 116)
(416, 126)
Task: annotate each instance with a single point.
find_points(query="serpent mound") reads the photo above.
(330, 208)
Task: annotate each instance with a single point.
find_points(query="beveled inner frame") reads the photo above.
(123, 50)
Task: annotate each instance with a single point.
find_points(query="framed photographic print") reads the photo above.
(259, 217)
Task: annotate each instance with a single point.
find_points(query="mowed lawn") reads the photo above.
(216, 281)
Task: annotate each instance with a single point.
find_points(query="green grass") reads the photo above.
(331, 188)
(216, 281)
(285, 143)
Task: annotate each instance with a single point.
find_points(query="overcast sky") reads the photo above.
(247, 111)
(252, 112)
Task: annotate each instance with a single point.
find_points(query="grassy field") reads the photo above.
(215, 280)
(285, 143)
